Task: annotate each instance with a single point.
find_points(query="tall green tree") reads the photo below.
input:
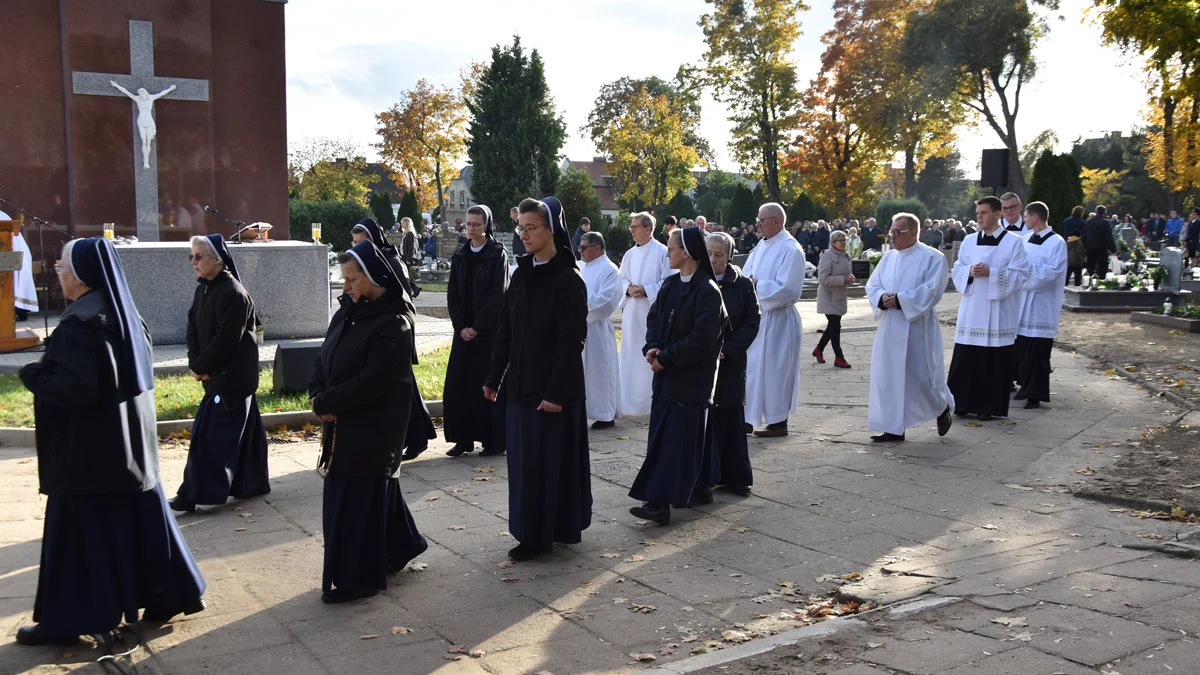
(742, 209)
(410, 208)
(681, 206)
(380, 204)
(1056, 182)
(942, 186)
(515, 132)
(717, 187)
(578, 197)
(802, 209)
(749, 63)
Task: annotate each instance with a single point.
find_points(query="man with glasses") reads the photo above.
(643, 270)
(776, 267)
(908, 385)
(600, 377)
(1010, 210)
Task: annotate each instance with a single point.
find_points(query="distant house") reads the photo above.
(602, 181)
(458, 195)
(384, 183)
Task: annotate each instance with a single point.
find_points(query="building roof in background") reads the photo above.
(384, 182)
(597, 170)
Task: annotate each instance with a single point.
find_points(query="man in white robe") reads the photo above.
(25, 299)
(1041, 306)
(1011, 215)
(990, 272)
(600, 373)
(776, 266)
(642, 272)
(908, 376)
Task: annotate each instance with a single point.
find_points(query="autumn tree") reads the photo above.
(1100, 186)
(1167, 34)
(649, 159)
(515, 132)
(423, 135)
(988, 48)
(748, 62)
(328, 169)
(615, 98)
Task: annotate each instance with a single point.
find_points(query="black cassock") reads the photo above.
(1033, 366)
(980, 377)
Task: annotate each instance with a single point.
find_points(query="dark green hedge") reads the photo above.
(336, 218)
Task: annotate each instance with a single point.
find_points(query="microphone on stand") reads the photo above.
(211, 210)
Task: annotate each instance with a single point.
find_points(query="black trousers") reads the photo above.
(833, 333)
(1077, 271)
(1033, 366)
(1097, 263)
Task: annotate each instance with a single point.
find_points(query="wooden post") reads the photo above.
(11, 339)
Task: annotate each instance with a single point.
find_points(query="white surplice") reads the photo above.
(773, 360)
(24, 290)
(991, 305)
(601, 376)
(908, 373)
(1042, 297)
(646, 265)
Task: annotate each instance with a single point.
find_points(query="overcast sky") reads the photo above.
(350, 59)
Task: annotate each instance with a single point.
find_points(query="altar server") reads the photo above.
(684, 333)
(110, 546)
(908, 381)
(776, 266)
(25, 299)
(602, 375)
(990, 273)
(478, 277)
(538, 360)
(228, 452)
(643, 270)
(361, 390)
(1041, 306)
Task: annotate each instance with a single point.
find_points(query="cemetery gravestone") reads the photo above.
(1171, 259)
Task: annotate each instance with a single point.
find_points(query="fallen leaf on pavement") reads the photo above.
(989, 526)
(622, 438)
(457, 649)
(1011, 621)
(367, 637)
(973, 424)
(510, 580)
(433, 498)
(484, 469)
(853, 576)
(635, 558)
(741, 530)
(476, 653)
(481, 479)
(644, 658)
(457, 527)
(416, 566)
(644, 609)
(1022, 637)
(874, 645)
(401, 630)
(610, 555)
(736, 636)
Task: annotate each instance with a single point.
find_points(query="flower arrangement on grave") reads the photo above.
(1180, 311)
(1158, 276)
(441, 264)
(873, 257)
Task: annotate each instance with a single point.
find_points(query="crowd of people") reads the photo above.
(711, 352)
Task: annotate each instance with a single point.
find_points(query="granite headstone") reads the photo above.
(1171, 259)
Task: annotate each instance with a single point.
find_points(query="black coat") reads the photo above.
(89, 440)
(476, 288)
(1073, 227)
(741, 306)
(538, 354)
(1098, 236)
(688, 340)
(364, 376)
(820, 238)
(220, 337)
(408, 247)
(1193, 236)
(872, 239)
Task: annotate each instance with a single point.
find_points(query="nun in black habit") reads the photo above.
(478, 278)
(362, 389)
(538, 363)
(228, 452)
(684, 334)
(420, 423)
(110, 545)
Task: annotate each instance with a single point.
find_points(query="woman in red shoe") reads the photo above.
(833, 276)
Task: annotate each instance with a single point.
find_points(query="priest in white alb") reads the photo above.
(990, 273)
(601, 379)
(908, 374)
(776, 267)
(1041, 306)
(642, 272)
(25, 299)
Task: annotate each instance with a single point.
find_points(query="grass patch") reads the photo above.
(431, 373)
(433, 286)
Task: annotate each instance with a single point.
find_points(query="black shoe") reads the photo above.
(1030, 405)
(157, 615)
(35, 635)
(699, 497)
(182, 505)
(523, 552)
(961, 413)
(597, 425)
(885, 437)
(488, 452)
(656, 513)
(749, 428)
(416, 291)
(1019, 396)
(984, 417)
(338, 596)
(739, 490)
(460, 449)
(944, 421)
(773, 431)
(22, 314)
(411, 453)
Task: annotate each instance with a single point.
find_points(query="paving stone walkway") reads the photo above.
(982, 514)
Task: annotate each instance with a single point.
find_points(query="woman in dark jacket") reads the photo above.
(361, 389)
(110, 545)
(538, 363)
(478, 278)
(725, 436)
(684, 332)
(420, 423)
(228, 452)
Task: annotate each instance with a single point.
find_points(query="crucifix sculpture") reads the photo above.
(142, 79)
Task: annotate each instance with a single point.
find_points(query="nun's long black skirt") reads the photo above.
(980, 379)
(369, 532)
(466, 415)
(1033, 361)
(104, 557)
(726, 453)
(549, 477)
(674, 453)
(420, 424)
(228, 453)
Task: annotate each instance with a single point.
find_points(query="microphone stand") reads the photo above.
(237, 224)
(40, 223)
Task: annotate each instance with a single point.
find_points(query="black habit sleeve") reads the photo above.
(707, 328)
(501, 345)
(68, 375)
(739, 341)
(488, 316)
(571, 314)
(385, 365)
(235, 309)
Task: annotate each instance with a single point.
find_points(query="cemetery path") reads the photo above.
(984, 514)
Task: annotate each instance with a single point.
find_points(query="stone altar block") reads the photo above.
(289, 281)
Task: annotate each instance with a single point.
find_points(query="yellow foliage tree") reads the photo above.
(328, 169)
(650, 160)
(1100, 186)
(422, 136)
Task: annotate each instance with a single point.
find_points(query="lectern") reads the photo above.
(11, 262)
